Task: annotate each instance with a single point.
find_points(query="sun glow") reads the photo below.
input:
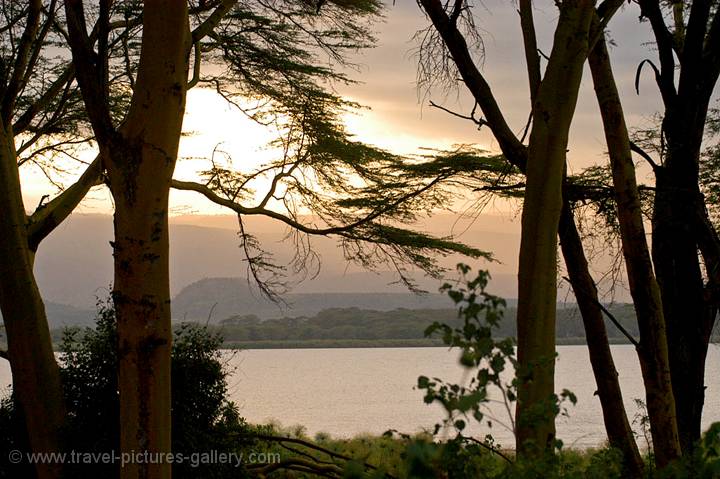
(216, 132)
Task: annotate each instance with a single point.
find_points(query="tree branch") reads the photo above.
(691, 54)
(532, 58)
(511, 147)
(196, 66)
(22, 58)
(209, 24)
(480, 122)
(634, 147)
(310, 445)
(650, 9)
(87, 65)
(610, 316)
(711, 52)
(298, 464)
(48, 216)
(337, 230)
(23, 122)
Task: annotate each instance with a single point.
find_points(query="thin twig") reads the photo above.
(489, 448)
(480, 122)
(607, 313)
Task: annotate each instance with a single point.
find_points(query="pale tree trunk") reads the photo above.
(653, 349)
(35, 373)
(617, 426)
(140, 180)
(140, 160)
(537, 293)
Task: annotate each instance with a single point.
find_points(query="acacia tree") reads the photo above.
(139, 157)
(652, 348)
(138, 151)
(689, 32)
(37, 98)
(539, 340)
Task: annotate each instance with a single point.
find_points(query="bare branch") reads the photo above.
(207, 26)
(634, 147)
(88, 72)
(48, 216)
(531, 50)
(650, 9)
(313, 446)
(476, 83)
(196, 66)
(480, 122)
(609, 315)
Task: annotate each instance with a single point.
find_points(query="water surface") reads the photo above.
(345, 392)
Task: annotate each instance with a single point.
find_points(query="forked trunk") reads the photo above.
(537, 293)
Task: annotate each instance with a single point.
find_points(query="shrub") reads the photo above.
(203, 420)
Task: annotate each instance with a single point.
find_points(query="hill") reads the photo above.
(221, 298)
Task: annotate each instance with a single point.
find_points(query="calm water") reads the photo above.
(351, 391)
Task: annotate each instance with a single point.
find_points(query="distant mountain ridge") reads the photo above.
(221, 298)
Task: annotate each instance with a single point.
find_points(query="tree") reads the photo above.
(139, 157)
(435, 62)
(139, 153)
(652, 348)
(32, 107)
(681, 226)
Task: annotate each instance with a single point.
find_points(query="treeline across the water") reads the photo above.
(355, 327)
(400, 327)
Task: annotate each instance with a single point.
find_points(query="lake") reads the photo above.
(345, 392)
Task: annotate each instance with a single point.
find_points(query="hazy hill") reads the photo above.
(221, 298)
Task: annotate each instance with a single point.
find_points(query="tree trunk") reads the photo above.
(675, 256)
(35, 373)
(537, 292)
(653, 349)
(617, 426)
(140, 173)
(677, 224)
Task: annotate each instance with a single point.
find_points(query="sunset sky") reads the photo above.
(399, 118)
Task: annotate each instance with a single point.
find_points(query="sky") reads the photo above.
(399, 117)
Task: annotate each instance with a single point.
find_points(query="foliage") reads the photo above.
(487, 357)
(202, 418)
(702, 463)
(490, 360)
